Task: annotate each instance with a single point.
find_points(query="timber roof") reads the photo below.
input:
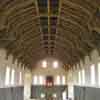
(33, 29)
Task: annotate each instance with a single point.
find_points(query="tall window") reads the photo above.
(83, 76)
(79, 77)
(63, 80)
(58, 80)
(20, 78)
(99, 73)
(41, 80)
(35, 80)
(7, 78)
(92, 74)
(12, 77)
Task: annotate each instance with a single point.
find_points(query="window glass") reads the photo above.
(12, 77)
(63, 80)
(79, 77)
(58, 80)
(20, 78)
(92, 74)
(41, 80)
(83, 76)
(99, 73)
(35, 80)
(7, 78)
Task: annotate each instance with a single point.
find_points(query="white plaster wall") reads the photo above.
(73, 78)
(49, 71)
(27, 84)
(95, 59)
(4, 63)
(26, 75)
(39, 70)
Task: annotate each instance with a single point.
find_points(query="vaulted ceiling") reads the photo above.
(65, 29)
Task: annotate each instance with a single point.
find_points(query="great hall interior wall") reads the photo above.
(49, 49)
